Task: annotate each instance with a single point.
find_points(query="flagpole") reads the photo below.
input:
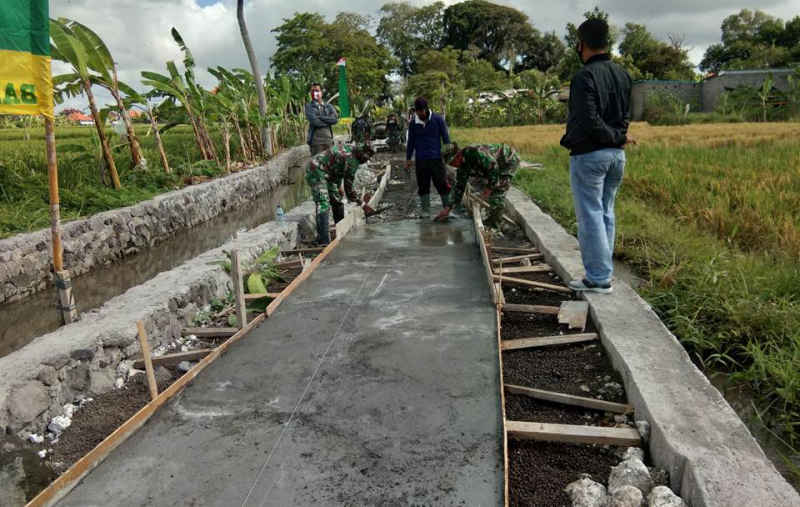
(69, 312)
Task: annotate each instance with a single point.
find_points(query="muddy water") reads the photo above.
(23, 321)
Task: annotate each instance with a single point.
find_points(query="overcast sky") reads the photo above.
(138, 31)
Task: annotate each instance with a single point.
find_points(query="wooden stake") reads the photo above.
(573, 434)
(238, 289)
(568, 399)
(546, 341)
(546, 310)
(55, 202)
(529, 283)
(148, 364)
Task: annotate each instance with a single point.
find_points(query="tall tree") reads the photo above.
(493, 32)
(541, 52)
(67, 47)
(251, 55)
(655, 59)
(309, 47)
(409, 30)
(754, 39)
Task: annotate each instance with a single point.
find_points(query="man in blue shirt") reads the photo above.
(426, 133)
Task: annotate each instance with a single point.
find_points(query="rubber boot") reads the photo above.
(323, 228)
(338, 211)
(425, 204)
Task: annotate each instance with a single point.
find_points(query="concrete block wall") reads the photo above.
(687, 92)
(26, 259)
(716, 86)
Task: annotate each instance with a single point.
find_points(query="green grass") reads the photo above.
(714, 232)
(24, 197)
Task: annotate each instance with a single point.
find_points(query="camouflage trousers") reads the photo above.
(394, 140)
(497, 203)
(323, 190)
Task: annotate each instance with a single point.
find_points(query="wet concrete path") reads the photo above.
(375, 383)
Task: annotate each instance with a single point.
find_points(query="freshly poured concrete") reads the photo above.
(376, 382)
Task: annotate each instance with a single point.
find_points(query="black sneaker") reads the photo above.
(587, 286)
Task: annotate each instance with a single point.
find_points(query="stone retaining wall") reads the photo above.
(26, 259)
(82, 358)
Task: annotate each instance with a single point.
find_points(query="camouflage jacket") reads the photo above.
(494, 164)
(339, 163)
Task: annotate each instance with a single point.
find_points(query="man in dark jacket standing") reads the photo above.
(597, 128)
(321, 119)
(426, 133)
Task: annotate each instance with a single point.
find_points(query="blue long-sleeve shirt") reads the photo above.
(427, 138)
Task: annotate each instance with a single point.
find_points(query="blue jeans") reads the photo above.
(595, 178)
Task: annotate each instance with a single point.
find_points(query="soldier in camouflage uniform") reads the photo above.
(488, 165)
(393, 132)
(325, 172)
(360, 131)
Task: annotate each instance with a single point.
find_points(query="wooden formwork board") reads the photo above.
(479, 229)
(573, 434)
(546, 341)
(69, 479)
(569, 399)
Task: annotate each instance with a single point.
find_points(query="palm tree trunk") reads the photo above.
(227, 136)
(133, 141)
(196, 129)
(242, 143)
(109, 159)
(248, 46)
(161, 153)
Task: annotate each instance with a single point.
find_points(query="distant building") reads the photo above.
(80, 118)
(703, 95)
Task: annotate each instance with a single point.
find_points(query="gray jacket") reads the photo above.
(323, 117)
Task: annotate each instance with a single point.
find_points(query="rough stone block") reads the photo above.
(26, 402)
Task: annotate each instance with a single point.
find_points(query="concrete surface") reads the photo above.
(81, 358)
(375, 383)
(695, 435)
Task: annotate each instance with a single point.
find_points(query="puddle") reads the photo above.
(22, 321)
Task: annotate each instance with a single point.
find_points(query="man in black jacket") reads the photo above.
(597, 131)
(321, 119)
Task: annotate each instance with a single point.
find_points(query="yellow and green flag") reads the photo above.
(26, 85)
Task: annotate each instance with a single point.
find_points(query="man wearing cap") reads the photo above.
(490, 166)
(426, 133)
(325, 172)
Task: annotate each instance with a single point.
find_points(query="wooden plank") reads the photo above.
(574, 313)
(568, 399)
(529, 283)
(546, 341)
(478, 224)
(501, 297)
(546, 310)
(516, 258)
(539, 268)
(573, 434)
(74, 474)
(259, 295)
(485, 204)
(502, 406)
(508, 249)
(209, 332)
(175, 358)
(289, 264)
(238, 289)
(148, 364)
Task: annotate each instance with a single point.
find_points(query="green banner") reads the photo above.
(344, 99)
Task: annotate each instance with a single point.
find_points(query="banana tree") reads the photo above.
(67, 47)
(101, 62)
(141, 102)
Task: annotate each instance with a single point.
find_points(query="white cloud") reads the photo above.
(138, 31)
